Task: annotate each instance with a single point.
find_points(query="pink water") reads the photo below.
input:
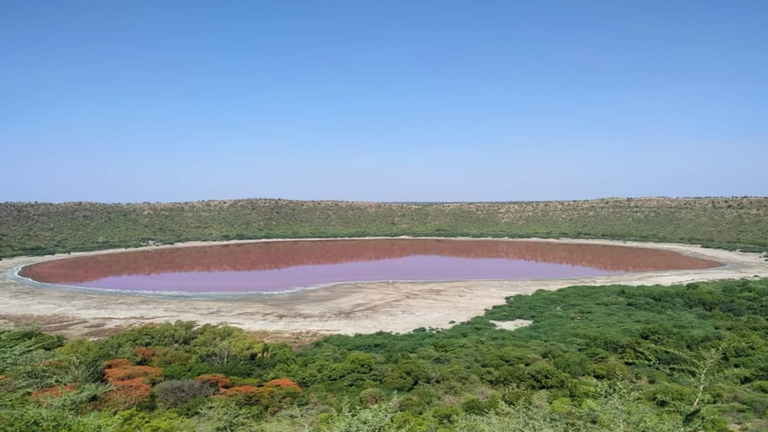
(423, 268)
(290, 265)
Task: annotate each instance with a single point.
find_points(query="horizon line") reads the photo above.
(660, 197)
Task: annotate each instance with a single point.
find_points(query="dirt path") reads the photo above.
(343, 308)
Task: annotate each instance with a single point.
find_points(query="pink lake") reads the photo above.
(262, 267)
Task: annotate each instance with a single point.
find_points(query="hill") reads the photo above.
(43, 228)
(613, 358)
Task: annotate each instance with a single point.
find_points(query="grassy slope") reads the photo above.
(688, 358)
(42, 228)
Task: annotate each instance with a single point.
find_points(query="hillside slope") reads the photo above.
(41, 228)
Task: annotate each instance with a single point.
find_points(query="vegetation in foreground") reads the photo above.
(615, 358)
(41, 229)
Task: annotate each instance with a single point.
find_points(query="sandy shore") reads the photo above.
(343, 308)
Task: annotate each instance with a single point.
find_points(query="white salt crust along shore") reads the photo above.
(345, 308)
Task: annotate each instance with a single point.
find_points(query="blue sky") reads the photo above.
(123, 101)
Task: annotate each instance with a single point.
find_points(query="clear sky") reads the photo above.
(128, 100)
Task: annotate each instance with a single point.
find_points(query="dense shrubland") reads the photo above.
(682, 358)
(40, 229)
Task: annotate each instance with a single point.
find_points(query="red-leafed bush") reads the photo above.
(55, 391)
(131, 383)
(130, 372)
(146, 355)
(243, 390)
(285, 383)
(274, 395)
(218, 381)
(248, 394)
(129, 393)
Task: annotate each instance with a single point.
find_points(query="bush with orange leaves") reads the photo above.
(248, 394)
(285, 383)
(128, 393)
(146, 355)
(55, 391)
(243, 390)
(218, 381)
(274, 395)
(131, 383)
(128, 372)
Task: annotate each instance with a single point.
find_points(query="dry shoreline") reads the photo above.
(342, 309)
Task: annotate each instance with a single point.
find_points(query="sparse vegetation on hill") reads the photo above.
(38, 228)
(634, 359)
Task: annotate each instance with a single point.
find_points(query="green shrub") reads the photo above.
(171, 394)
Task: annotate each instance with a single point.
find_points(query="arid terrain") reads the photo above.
(337, 309)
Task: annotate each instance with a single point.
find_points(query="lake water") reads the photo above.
(277, 266)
